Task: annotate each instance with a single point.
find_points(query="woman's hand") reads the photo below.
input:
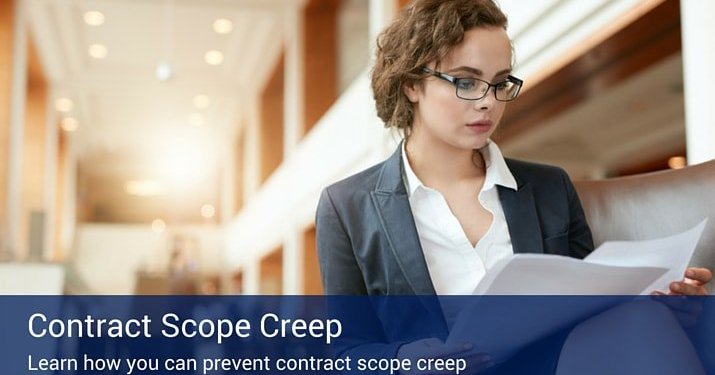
(435, 348)
(687, 310)
(693, 284)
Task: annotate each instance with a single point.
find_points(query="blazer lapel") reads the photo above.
(522, 220)
(393, 209)
(399, 228)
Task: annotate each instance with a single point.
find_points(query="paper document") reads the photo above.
(673, 253)
(622, 268)
(614, 268)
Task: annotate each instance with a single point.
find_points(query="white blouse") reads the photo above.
(455, 266)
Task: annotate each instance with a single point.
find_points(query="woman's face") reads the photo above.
(443, 119)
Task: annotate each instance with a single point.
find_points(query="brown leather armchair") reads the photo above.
(654, 205)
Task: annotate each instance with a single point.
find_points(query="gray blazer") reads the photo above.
(368, 243)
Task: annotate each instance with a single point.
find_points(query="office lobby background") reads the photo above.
(180, 146)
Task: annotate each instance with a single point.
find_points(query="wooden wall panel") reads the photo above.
(636, 47)
(403, 3)
(321, 59)
(312, 283)
(271, 124)
(6, 31)
(271, 268)
(34, 147)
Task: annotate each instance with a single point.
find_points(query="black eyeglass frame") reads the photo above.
(455, 81)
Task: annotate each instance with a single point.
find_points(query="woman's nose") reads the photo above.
(486, 102)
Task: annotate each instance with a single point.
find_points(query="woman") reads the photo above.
(446, 206)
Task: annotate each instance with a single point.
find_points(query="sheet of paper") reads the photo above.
(614, 268)
(539, 274)
(672, 252)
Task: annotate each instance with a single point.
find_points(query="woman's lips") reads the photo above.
(480, 126)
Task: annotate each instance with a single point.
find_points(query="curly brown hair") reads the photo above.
(425, 31)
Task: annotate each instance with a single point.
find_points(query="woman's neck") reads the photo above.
(437, 163)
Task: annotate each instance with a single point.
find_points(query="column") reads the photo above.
(50, 178)
(252, 151)
(251, 276)
(381, 13)
(33, 215)
(293, 117)
(293, 261)
(68, 216)
(698, 33)
(17, 122)
(228, 180)
(293, 89)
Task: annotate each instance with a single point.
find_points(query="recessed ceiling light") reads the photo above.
(158, 225)
(213, 57)
(98, 51)
(196, 119)
(223, 26)
(163, 71)
(208, 211)
(201, 101)
(677, 162)
(93, 18)
(63, 104)
(69, 124)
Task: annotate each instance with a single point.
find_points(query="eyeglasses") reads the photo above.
(475, 88)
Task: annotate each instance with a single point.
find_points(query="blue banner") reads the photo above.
(356, 335)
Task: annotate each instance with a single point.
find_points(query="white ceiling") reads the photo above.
(133, 126)
(118, 100)
(124, 110)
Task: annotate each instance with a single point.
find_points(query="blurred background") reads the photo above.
(180, 146)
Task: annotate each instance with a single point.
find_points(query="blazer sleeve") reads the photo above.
(580, 238)
(339, 268)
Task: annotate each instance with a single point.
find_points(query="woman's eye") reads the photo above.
(503, 85)
(466, 84)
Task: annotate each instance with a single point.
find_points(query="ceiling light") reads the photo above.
(143, 188)
(677, 162)
(201, 101)
(213, 57)
(98, 51)
(164, 71)
(223, 26)
(63, 104)
(158, 225)
(208, 211)
(196, 119)
(93, 18)
(69, 124)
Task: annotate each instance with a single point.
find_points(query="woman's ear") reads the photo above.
(411, 90)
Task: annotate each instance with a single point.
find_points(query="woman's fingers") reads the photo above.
(687, 289)
(698, 275)
(694, 282)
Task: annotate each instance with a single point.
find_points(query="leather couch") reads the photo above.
(654, 205)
